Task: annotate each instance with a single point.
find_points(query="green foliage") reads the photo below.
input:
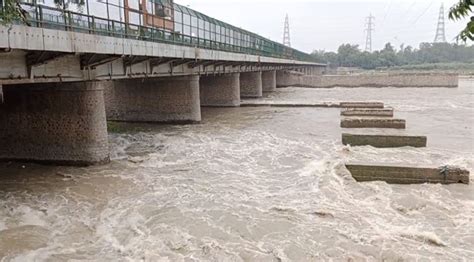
(351, 56)
(64, 4)
(10, 11)
(459, 11)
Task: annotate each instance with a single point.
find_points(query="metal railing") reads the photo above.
(184, 27)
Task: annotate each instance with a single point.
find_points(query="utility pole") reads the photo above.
(370, 28)
(286, 33)
(440, 32)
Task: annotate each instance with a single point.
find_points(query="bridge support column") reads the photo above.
(251, 84)
(61, 123)
(288, 78)
(269, 81)
(220, 90)
(166, 99)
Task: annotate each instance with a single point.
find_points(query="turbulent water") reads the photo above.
(252, 184)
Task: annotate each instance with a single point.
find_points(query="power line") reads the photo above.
(370, 28)
(423, 13)
(387, 12)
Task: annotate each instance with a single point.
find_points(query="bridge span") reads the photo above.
(64, 73)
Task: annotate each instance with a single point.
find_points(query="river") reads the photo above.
(252, 184)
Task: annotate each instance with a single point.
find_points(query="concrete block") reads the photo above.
(387, 112)
(220, 90)
(408, 175)
(382, 141)
(251, 85)
(362, 105)
(373, 123)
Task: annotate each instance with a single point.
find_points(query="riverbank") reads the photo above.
(444, 80)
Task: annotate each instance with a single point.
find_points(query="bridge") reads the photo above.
(65, 72)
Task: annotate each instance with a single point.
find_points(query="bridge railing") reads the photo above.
(188, 27)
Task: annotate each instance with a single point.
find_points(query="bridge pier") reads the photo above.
(269, 81)
(220, 90)
(286, 78)
(165, 99)
(61, 123)
(251, 85)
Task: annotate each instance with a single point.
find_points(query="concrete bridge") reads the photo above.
(62, 77)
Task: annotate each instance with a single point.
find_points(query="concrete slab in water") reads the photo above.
(383, 141)
(382, 112)
(373, 123)
(408, 175)
(362, 105)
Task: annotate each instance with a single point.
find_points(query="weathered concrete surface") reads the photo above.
(251, 85)
(362, 105)
(291, 78)
(383, 141)
(220, 90)
(269, 81)
(253, 103)
(382, 80)
(386, 112)
(285, 78)
(166, 99)
(62, 123)
(373, 123)
(408, 175)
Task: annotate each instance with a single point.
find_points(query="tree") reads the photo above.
(427, 53)
(459, 11)
(10, 10)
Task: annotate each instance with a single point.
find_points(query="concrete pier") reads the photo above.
(167, 99)
(408, 175)
(383, 141)
(286, 78)
(220, 90)
(387, 112)
(251, 85)
(362, 105)
(60, 123)
(373, 123)
(269, 81)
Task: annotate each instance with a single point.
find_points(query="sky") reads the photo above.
(326, 24)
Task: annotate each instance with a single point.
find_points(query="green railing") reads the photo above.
(184, 27)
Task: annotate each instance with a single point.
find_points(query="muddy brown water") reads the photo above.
(252, 184)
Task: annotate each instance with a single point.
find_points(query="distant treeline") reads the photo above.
(351, 56)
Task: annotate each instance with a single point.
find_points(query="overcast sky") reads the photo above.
(326, 24)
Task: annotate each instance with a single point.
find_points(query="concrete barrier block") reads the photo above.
(373, 123)
(362, 105)
(383, 141)
(386, 112)
(408, 175)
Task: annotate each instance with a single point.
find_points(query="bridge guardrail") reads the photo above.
(232, 39)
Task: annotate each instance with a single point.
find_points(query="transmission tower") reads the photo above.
(370, 28)
(286, 33)
(440, 33)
